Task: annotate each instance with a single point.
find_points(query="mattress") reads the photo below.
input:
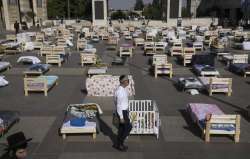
(3, 81)
(4, 65)
(190, 83)
(105, 85)
(240, 67)
(28, 59)
(50, 79)
(88, 111)
(39, 67)
(7, 119)
(205, 70)
(200, 110)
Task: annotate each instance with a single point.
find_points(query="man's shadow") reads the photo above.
(107, 130)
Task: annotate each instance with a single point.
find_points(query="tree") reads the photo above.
(139, 5)
(118, 15)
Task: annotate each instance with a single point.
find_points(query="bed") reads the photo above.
(105, 85)
(112, 43)
(149, 37)
(37, 70)
(126, 49)
(203, 65)
(217, 85)
(81, 119)
(240, 64)
(28, 60)
(3, 81)
(139, 42)
(198, 46)
(46, 50)
(88, 58)
(7, 120)
(211, 120)
(81, 44)
(4, 65)
(166, 69)
(39, 84)
(187, 55)
(176, 49)
(186, 83)
(160, 47)
(149, 48)
(55, 59)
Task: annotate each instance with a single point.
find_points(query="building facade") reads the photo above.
(171, 9)
(229, 12)
(29, 11)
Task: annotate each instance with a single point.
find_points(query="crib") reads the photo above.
(145, 118)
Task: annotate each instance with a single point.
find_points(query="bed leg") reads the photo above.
(64, 136)
(207, 131)
(237, 129)
(45, 93)
(94, 136)
(26, 92)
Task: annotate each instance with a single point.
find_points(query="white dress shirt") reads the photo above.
(121, 100)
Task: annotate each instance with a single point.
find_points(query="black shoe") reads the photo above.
(125, 147)
(120, 148)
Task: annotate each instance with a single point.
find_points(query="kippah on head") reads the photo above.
(123, 78)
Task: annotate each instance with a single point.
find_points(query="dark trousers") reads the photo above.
(124, 128)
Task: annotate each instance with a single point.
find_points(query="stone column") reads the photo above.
(6, 14)
(99, 15)
(168, 10)
(180, 9)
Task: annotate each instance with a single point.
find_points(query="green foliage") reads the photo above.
(139, 5)
(153, 11)
(118, 15)
(78, 9)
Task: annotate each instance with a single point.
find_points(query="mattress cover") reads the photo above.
(105, 85)
(39, 67)
(190, 83)
(239, 67)
(29, 59)
(3, 81)
(4, 65)
(206, 68)
(200, 110)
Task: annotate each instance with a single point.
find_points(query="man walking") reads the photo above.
(121, 102)
(16, 27)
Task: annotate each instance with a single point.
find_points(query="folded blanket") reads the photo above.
(29, 59)
(39, 67)
(3, 82)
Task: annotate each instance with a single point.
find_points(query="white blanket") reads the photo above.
(32, 59)
(3, 82)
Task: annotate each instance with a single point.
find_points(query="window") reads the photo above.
(12, 2)
(39, 3)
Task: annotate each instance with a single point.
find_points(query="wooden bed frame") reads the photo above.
(88, 58)
(54, 59)
(187, 55)
(220, 81)
(126, 51)
(46, 51)
(149, 48)
(198, 47)
(149, 38)
(139, 42)
(112, 43)
(227, 119)
(176, 50)
(167, 66)
(159, 59)
(159, 47)
(241, 58)
(81, 44)
(37, 80)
